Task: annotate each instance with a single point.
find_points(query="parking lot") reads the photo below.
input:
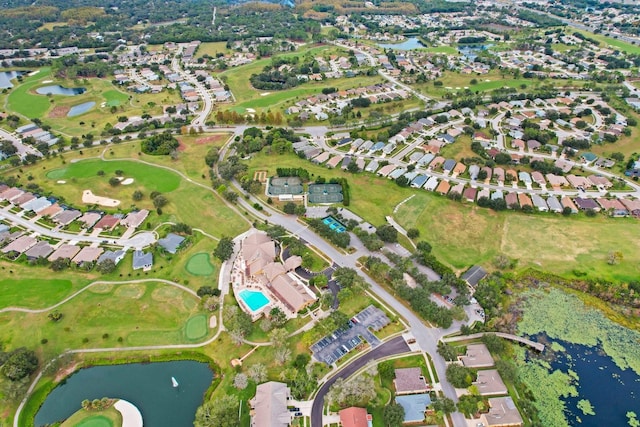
(332, 348)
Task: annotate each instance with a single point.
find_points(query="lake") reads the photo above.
(6, 77)
(59, 90)
(611, 391)
(408, 44)
(76, 110)
(147, 386)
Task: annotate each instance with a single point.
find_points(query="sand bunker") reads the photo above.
(250, 110)
(62, 181)
(89, 198)
(47, 81)
(265, 94)
(127, 181)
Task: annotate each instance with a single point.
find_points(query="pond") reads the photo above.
(408, 44)
(6, 77)
(596, 371)
(59, 90)
(76, 110)
(589, 375)
(148, 386)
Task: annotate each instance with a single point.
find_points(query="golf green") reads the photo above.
(57, 173)
(151, 177)
(95, 421)
(196, 327)
(200, 265)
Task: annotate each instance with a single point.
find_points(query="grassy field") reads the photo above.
(108, 418)
(211, 49)
(611, 42)
(447, 50)
(457, 82)
(248, 97)
(22, 293)
(200, 265)
(107, 316)
(52, 110)
(188, 203)
(463, 235)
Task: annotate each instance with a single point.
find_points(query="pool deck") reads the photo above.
(131, 416)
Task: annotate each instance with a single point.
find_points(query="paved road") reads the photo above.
(390, 348)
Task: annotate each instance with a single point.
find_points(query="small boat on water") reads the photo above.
(174, 382)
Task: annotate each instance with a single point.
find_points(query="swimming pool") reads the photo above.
(334, 224)
(255, 300)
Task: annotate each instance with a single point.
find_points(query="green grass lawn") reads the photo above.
(142, 314)
(464, 234)
(188, 203)
(108, 418)
(52, 110)
(457, 82)
(85, 173)
(611, 42)
(200, 265)
(447, 50)
(196, 327)
(23, 102)
(33, 293)
(211, 49)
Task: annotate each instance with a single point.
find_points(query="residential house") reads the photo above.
(142, 260)
(171, 243)
(502, 413)
(355, 417)
(414, 406)
(410, 381)
(489, 383)
(477, 356)
(269, 406)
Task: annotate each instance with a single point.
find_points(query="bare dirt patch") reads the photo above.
(59, 112)
(206, 139)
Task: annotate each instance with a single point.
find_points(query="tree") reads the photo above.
(160, 144)
(459, 376)
(222, 412)
(19, 364)
(387, 233)
(106, 266)
(114, 181)
(225, 248)
(393, 415)
(240, 381)
(258, 373)
(413, 233)
(386, 370)
(160, 201)
(443, 405)
(289, 208)
(277, 317)
(208, 290)
(359, 390)
(614, 257)
(278, 337)
(137, 196)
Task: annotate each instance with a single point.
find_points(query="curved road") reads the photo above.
(389, 348)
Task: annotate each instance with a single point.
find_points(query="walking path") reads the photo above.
(535, 345)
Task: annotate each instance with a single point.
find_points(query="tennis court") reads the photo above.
(289, 185)
(325, 193)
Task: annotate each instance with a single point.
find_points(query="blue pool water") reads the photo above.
(59, 90)
(76, 110)
(334, 224)
(255, 300)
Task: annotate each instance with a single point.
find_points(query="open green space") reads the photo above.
(85, 173)
(464, 234)
(107, 315)
(110, 417)
(52, 110)
(447, 50)
(34, 292)
(611, 42)
(453, 82)
(200, 265)
(190, 203)
(196, 327)
(211, 49)
(23, 102)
